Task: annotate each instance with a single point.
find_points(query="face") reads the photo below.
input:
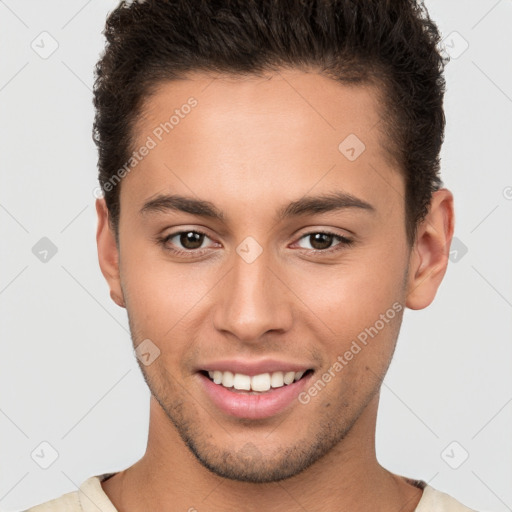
(282, 263)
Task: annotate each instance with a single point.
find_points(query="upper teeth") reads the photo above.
(261, 382)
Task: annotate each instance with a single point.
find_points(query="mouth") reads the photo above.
(254, 396)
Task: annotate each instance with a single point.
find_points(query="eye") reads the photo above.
(323, 241)
(181, 242)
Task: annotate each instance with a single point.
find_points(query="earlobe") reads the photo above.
(118, 300)
(108, 253)
(429, 256)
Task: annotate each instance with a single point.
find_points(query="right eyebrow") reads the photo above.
(164, 203)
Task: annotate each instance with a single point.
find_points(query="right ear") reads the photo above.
(108, 253)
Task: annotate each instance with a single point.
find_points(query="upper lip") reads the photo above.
(252, 368)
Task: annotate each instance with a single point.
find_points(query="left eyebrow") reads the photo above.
(310, 205)
(307, 205)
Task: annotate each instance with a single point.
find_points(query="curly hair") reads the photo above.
(392, 44)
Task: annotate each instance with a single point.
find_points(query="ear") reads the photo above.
(429, 256)
(108, 253)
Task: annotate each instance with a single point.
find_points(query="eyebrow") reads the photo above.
(306, 205)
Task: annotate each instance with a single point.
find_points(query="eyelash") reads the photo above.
(344, 242)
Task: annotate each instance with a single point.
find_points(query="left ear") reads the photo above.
(429, 256)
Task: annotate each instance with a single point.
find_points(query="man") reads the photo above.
(271, 206)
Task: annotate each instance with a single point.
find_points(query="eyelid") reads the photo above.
(181, 231)
(311, 230)
(344, 241)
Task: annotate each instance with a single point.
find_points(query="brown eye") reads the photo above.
(324, 241)
(191, 243)
(321, 241)
(191, 239)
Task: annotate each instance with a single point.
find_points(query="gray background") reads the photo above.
(68, 374)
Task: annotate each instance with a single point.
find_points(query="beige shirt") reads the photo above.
(92, 498)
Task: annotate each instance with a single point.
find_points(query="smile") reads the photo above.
(254, 397)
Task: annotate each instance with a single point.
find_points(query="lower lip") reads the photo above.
(244, 405)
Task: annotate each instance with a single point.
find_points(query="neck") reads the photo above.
(349, 477)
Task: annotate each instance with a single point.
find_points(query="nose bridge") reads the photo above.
(251, 300)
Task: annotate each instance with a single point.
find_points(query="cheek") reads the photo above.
(168, 303)
(352, 294)
(356, 309)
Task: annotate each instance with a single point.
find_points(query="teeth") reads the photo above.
(261, 383)
(276, 380)
(242, 382)
(288, 377)
(227, 379)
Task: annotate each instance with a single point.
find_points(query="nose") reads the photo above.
(252, 301)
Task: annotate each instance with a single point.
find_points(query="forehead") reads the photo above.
(296, 99)
(286, 132)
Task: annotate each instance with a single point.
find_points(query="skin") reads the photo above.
(250, 147)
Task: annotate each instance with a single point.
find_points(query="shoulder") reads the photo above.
(67, 502)
(88, 498)
(433, 500)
